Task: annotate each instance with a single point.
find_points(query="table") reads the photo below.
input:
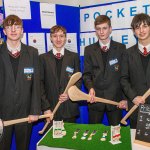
(137, 146)
(48, 143)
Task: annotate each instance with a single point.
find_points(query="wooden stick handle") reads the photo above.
(102, 100)
(123, 121)
(44, 128)
(146, 94)
(56, 107)
(16, 121)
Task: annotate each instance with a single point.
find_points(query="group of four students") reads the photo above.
(30, 83)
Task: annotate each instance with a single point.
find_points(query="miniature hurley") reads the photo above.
(104, 136)
(85, 134)
(93, 133)
(75, 134)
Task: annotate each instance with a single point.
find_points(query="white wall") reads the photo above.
(95, 2)
(62, 2)
(74, 2)
(77, 2)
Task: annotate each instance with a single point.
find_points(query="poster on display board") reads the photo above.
(20, 8)
(37, 40)
(48, 15)
(120, 13)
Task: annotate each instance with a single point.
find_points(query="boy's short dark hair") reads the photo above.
(12, 20)
(139, 19)
(57, 28)
(102, 19)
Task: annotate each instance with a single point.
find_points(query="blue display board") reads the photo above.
(66, 16)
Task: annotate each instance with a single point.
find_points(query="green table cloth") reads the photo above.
(95, 143)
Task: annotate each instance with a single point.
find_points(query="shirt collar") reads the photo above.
(101, 44)
(61, 51)
(14, 50)
(140, 46)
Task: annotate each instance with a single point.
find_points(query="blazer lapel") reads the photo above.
(52, 62)
(52, 67)
(22, 62)
(6, 59)
(98, 56)
(138, 62)
(148, 71)
(111, 54)
(64, 65)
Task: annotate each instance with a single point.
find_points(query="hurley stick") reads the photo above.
(74, 78)
(123, 121)
(16, 121)
(76, 95)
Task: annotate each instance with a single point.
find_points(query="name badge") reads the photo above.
(69, 69)
(28, 70)
(112, 62)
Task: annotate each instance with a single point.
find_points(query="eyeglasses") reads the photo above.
(14, 27)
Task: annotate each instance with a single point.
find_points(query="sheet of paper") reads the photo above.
(48, 15)
(37, 40)
(24, 38)
(71, 43)
(20, 8)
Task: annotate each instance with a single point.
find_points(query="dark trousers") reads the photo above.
(70, 120)
(22, 136)
(133, 123)
(114, 117)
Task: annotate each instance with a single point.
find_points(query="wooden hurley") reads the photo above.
(16, 121)
(74, 78)
(76, 95)
(123, 121)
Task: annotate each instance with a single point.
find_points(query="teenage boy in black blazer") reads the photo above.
(19, 84)
(57, 66)
(135, 78)
(102, 65)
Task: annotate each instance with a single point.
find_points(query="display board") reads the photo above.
(143, 125)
